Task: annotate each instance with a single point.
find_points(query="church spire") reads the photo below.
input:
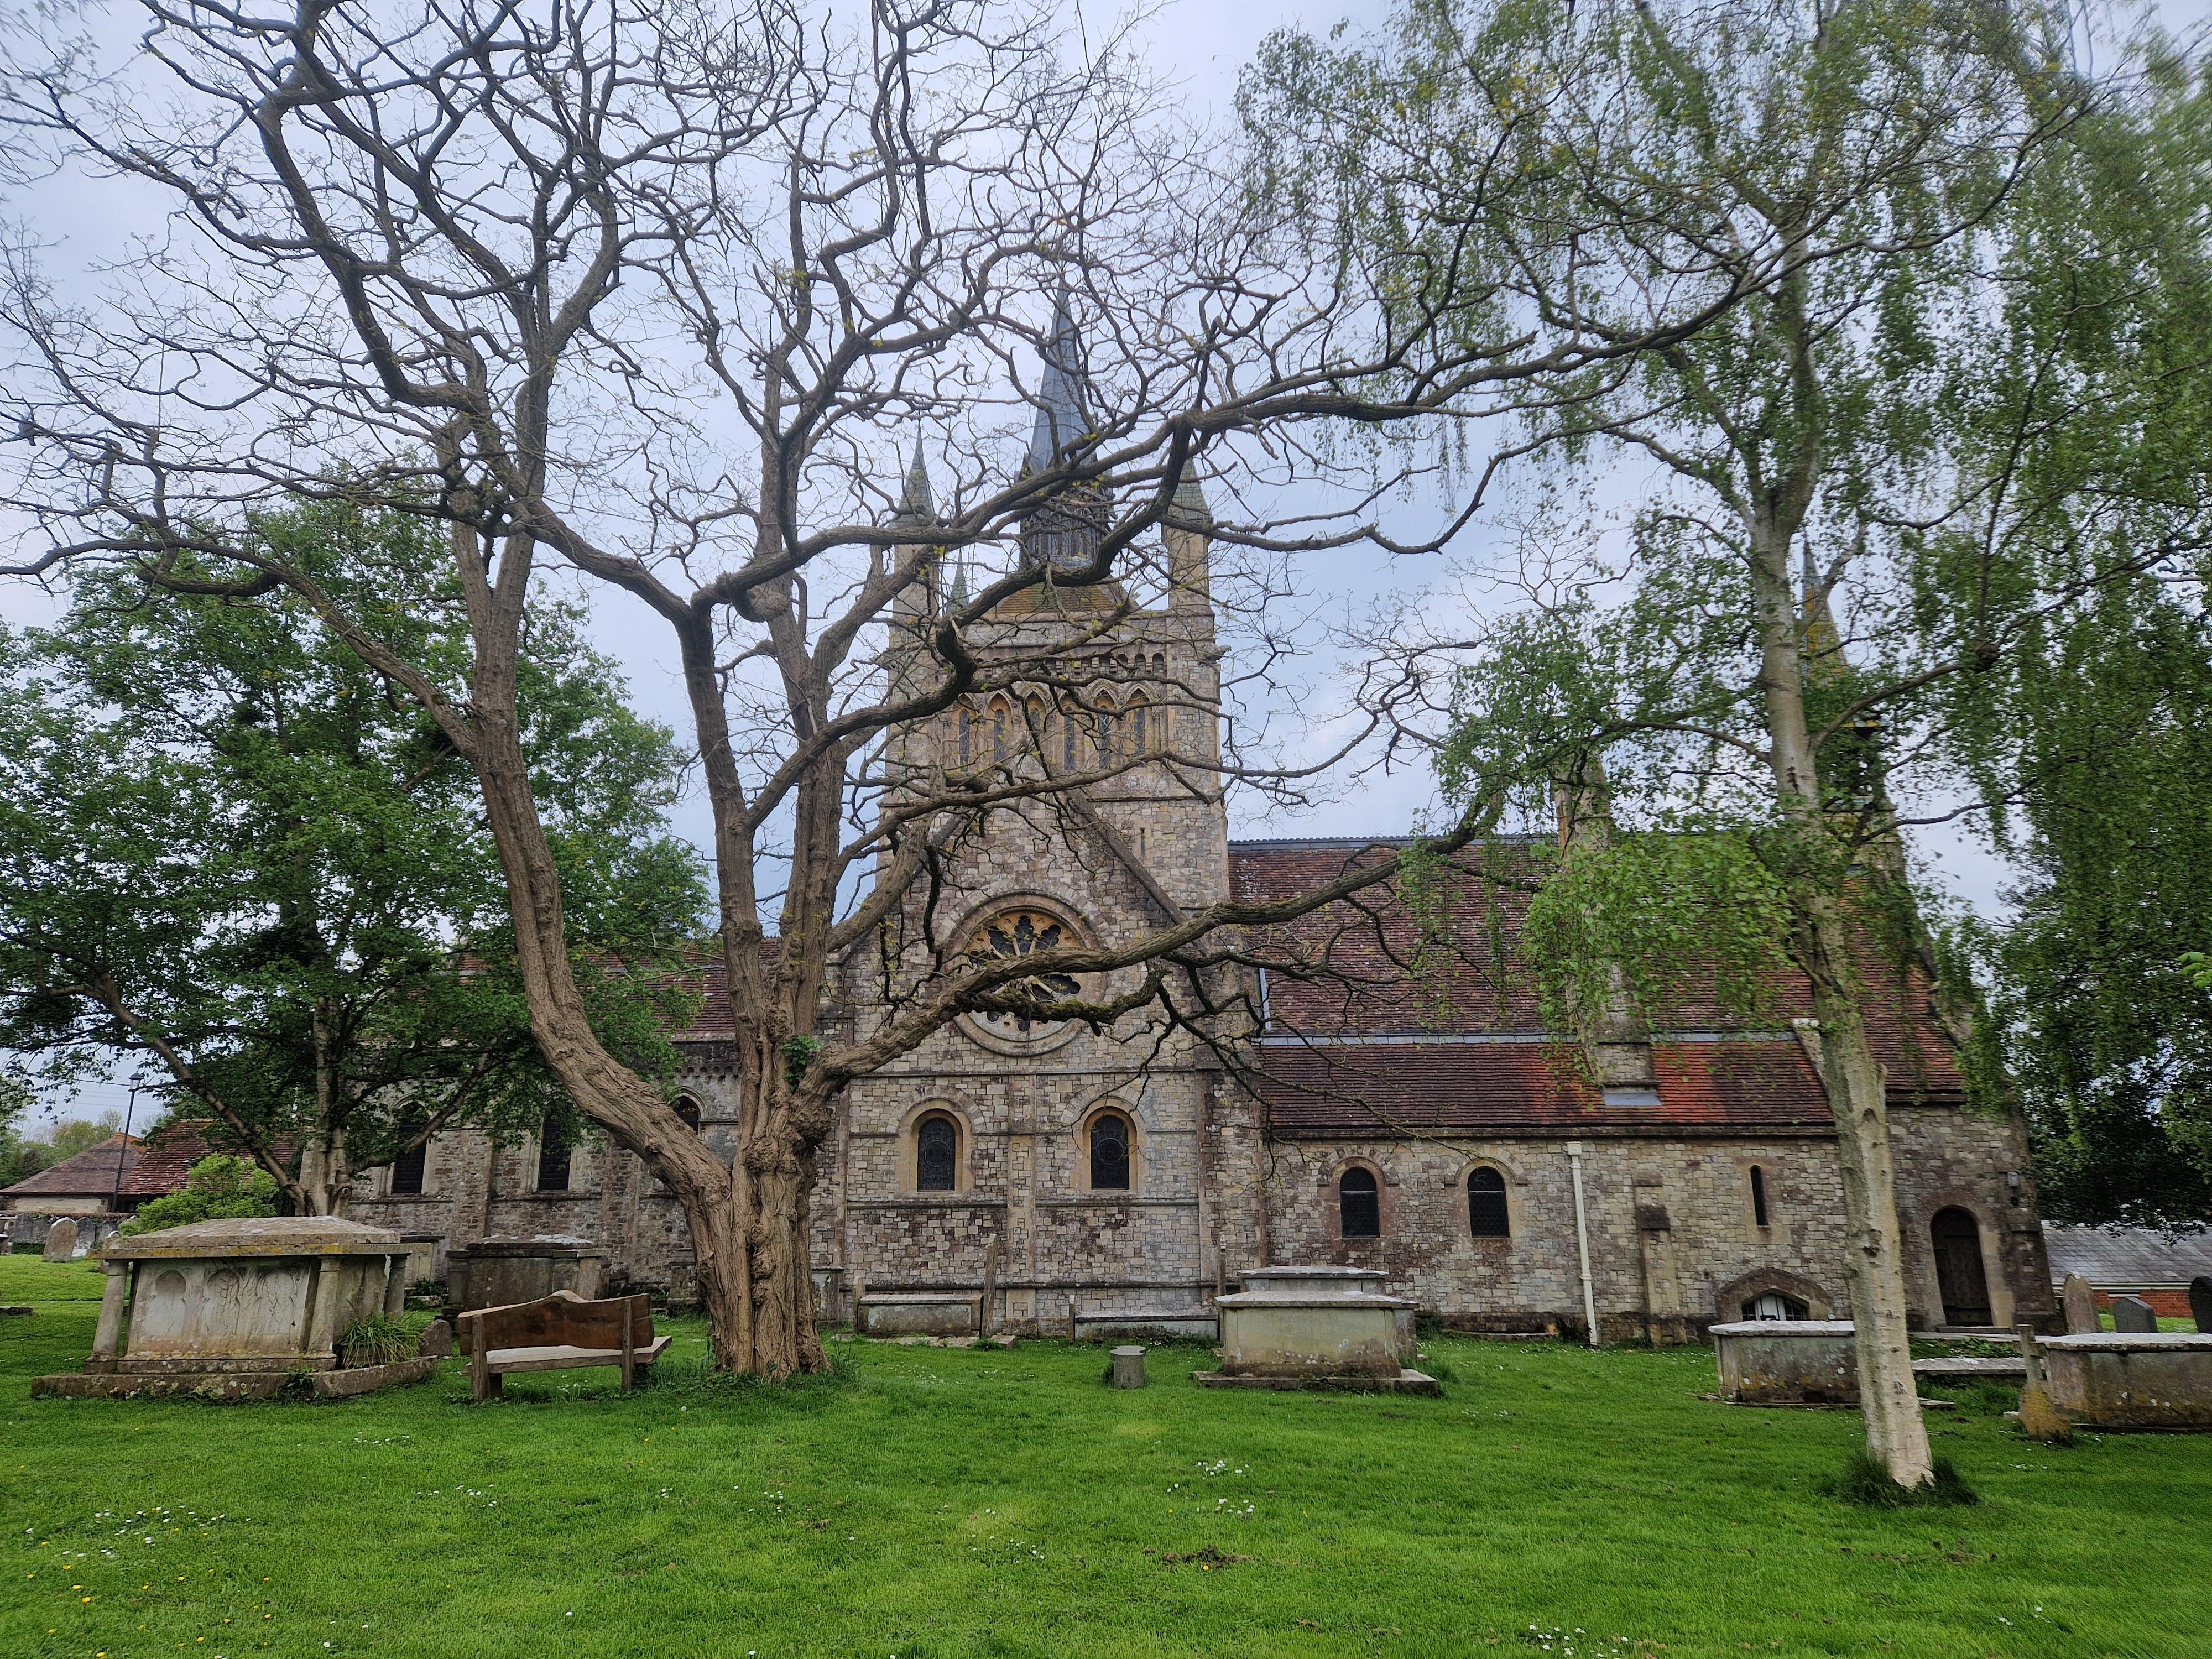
(1063, 534)
(1059, 417)
(917, 502)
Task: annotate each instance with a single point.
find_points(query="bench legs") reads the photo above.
(483, 1381)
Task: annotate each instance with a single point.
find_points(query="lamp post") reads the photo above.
(130, 1110)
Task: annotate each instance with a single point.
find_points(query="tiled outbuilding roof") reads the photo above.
(2127, 1258)
(151, 1168)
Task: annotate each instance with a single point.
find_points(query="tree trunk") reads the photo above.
(326, 1179)
(1873, 1267)
(1874, 1257)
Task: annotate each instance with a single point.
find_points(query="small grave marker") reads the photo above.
(1128, 1368)
(2133, 1316)
(61, 1241)
(437, 1341)
(2079, 1302)
(2200, 1303)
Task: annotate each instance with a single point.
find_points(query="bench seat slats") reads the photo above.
(560, 1355)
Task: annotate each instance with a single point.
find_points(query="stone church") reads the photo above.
(1427, 1123)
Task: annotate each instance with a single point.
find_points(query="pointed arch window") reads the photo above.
(408, 1168)
(967, 724)
(1486, 1215)
(1359, 1204)
(937, 1154)
(999, 731)
(555, 1156)
(1070, 741)
(1110, 1153)
(1140, 727)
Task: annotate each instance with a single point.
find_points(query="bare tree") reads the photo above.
(664, 293)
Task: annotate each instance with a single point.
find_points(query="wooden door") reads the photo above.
(1958, 1275)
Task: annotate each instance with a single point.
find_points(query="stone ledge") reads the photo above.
(1104, 1326)
(230, 1385)
(1403, 1382)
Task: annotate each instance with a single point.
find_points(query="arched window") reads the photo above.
(1758, 1195)
(967, 723)
(1141, 727)
(1110, 1153)
(407, 1168)
(937, 1154)
(1485, 1205)
(1104, 735)
(1772, 1305)
(553, 1156)
(688, 1110)
(1359, 1204)
(1070, 741)
(999, 731)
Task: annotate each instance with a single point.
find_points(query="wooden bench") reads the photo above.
(563, 1333)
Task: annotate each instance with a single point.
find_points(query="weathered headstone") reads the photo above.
(2133, 1316)
(1128, 1368)
(437, 1340)
(2200, 1303)
(2081, 1304)
(2039, 1419)
(61, 1240)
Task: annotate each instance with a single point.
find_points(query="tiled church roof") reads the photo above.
(1354, 975)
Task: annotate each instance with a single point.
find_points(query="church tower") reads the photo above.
(1035, 1164)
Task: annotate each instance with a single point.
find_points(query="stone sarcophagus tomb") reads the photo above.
(1295, 1328)
(2151, 1380)
(238, 1309)
(1787, 1362)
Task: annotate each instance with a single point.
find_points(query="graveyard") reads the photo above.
(932, 1501)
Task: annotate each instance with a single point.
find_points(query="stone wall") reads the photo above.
(1674, 1244)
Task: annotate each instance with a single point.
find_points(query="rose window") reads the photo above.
(1013, 935)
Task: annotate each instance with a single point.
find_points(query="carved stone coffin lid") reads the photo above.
(261, 1235)
(1784, 1327)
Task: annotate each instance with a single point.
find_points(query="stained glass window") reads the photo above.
(1021, 933)
(937, 1155)
(1110, 1153)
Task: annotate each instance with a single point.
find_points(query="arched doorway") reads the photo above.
(1959, 1276)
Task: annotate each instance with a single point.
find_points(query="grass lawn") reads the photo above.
(939, 1501)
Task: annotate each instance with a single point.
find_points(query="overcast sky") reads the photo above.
(1202, 43)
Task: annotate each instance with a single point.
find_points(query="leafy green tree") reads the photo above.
(2086, 736)
(226, 846)
(1852, 157)
(21, 1157)
(79, 1134)
(216, 1188)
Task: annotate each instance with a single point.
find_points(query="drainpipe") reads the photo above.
(1575, 1150)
